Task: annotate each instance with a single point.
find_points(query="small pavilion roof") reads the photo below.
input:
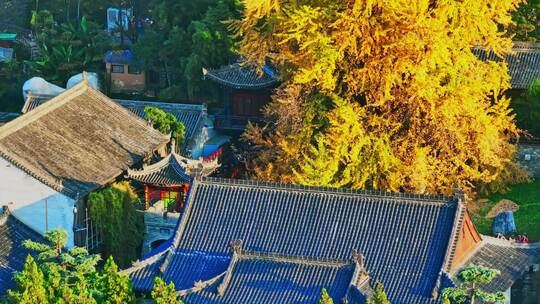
(12, 252)
(173, 169)
(523, 62)
(242, 76)
(512, 259)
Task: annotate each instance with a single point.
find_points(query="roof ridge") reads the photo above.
(454, 235)
(259, 255)
(200, 285)
(47, 107)
(5, 215)
(329, 190)
(182, 222)
(141, 264)
(506, 243)
(151, 168)
(185, 106)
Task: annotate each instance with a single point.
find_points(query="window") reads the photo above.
(134, 70)
(117, 68)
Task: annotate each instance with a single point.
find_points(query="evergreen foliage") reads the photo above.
(69, 275)
(406, 105)
(325, 298)
(470, 278)
(115, 288)
(30, 285)
(67, 48)
(186, 37)
(165, 294)
(378, 296)
(166, 123)
(113, 209)
(526, 20)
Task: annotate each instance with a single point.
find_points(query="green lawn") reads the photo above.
(527, 196)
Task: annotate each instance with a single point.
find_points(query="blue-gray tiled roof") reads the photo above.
(12, 252)
(404, 238)
(8, 116)
(278, 280)
(523, 63)
(513, 260)
(239, 76)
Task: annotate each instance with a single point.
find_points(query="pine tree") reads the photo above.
(115, 288)
(378, 296)
(382, 94)
(30, 285)
(325, 298)
(470, 278)
(70, 274)
(165, 294)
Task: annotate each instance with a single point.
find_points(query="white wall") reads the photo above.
(26, 198)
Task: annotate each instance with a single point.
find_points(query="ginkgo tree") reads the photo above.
(381, 94)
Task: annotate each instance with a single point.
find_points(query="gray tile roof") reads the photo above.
(513, 260)
(523, 64)
(8, 116)
(191, 115)
(239, 76)
(12, 252)
(78, 142)
(173, 169)
(260, 277)
(404, 238)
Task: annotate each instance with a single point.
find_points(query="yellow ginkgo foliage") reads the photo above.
(382, 94)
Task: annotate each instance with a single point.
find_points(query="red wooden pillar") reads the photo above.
(146, 197)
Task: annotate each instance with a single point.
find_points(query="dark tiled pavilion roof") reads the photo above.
(513, 260)
(191, 115)
(12, 252)
(405, 239)
(523, 64)
(173, 169)
(240, 76)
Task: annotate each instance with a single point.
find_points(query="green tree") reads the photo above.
(68, 48)
(470, 278)
(187, 36)
(325, 298)
(165, 294)
(30, 284)
(166, 123)
(113, 209)
(378, 296)
(70, 274)
(526, 19)
(115, 288)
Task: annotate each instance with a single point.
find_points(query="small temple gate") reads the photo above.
(165, 184)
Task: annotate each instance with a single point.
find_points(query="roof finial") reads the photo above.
(459, 194)
(236, 246)
(173, 145)
(359, 258)
(85, 78)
